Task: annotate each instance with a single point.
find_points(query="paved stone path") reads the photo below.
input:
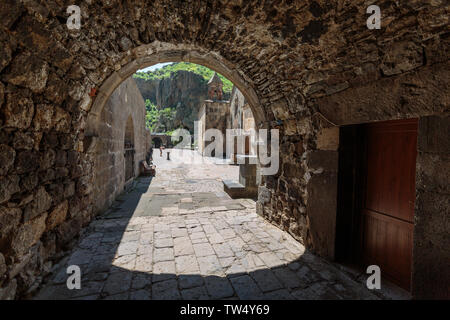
(179, 236)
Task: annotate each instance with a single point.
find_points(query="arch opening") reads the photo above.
(159, 52)
(157, 142)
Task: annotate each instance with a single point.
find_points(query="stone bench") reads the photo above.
(247, 187)
(147, 170)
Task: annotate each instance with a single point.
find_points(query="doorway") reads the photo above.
(377, 168)
(129, 150)
(157, 142)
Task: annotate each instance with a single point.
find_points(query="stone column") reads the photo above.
(248, 174)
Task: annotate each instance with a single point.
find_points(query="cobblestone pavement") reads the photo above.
(179, 236)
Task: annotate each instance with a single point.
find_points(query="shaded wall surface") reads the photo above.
(125, 110)
(241, 117)
(213, 115)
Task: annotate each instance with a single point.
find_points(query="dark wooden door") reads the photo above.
(386, 227)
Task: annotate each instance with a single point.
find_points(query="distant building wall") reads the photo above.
(164, 140)
(236, 102)
(125, 104)
(213, 115)
(201, 128)
(241, 117)
(223, 115)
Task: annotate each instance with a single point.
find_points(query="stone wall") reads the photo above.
(290, 59)
(183, 91)
(241, 117)
(431, 253)
(213, 115)
(237, 101)
(125, 104)
(166, 139)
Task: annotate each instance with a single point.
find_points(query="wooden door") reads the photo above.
(386, 227)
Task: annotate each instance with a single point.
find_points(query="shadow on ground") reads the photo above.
(134, 252)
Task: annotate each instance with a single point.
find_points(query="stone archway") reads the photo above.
(157, 142)
(159, 52)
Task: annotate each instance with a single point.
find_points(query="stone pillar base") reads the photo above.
(247, 186)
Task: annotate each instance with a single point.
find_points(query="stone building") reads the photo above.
(243, 124)
(243, 148)
(311, 69)
(213, 114)
(236, 117)
(215, 88)
(235, 114)
(122, 143)
(240, 112)
(161, 139)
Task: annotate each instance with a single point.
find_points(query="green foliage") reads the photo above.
(151, 115)
(158, 120)
(165, 72)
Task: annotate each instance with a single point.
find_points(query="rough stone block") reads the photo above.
(29, 71)
(7, 156)
(166, 290)
(325, 160)
(219, 288)
(402, 56)
(328, 139)
(9, 220)
(41, 203)
(246, 288)
(321, 211)
(433, 134)
(28, 234)
(433, 170)
(9, 292)
(430, 258)
(8, 186)
(58, 215)
(18, 111)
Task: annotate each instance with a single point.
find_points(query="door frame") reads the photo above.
(350, 179)
(352, 189)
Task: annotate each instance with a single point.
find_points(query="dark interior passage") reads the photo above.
(377, 193)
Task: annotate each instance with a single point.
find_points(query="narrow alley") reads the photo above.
(180, 236)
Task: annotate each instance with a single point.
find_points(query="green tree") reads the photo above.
(161, 119)
(152, 115)
(165, 72)
(158, 120)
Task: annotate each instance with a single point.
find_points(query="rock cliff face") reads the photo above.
(148, 88)
(184, 91)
